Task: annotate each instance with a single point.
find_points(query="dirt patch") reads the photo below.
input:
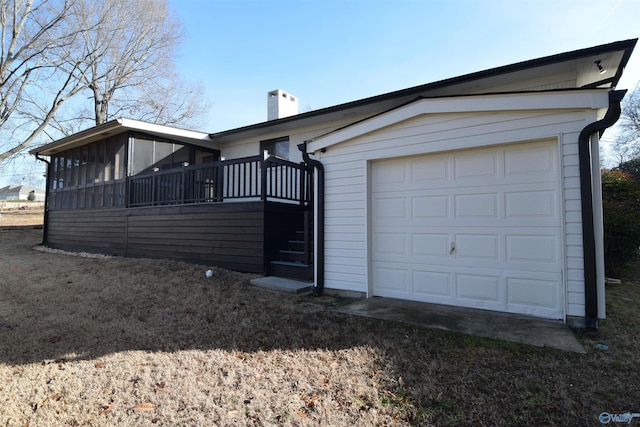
(115, 341)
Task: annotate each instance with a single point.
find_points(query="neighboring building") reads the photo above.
(21, 192)
(479, 191)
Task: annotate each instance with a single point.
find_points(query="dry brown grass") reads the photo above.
(21, 218)
(150, 342)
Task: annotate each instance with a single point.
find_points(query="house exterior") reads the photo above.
(21, 192)
(480, 191)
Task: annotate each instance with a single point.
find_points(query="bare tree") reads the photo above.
(33, 81)
(118, 54)
(630, 120)
(131, 70)
(627, 144)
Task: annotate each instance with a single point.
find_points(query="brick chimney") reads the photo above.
(281, 104)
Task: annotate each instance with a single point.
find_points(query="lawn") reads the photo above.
(116, 341)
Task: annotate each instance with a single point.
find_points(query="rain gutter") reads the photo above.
(586, 196)
(318, 286)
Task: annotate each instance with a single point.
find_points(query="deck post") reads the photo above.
(263, 177)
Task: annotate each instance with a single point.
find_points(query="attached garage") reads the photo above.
(471, 201)
(477, 228)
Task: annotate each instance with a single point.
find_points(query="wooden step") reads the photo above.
(296, 245)
(293, 256)
(291, 270)
(300, 235)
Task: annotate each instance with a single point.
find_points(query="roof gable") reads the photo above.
(577, 99)
(19, 189)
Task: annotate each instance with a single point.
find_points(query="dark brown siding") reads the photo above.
(100, 231)
(229, 235)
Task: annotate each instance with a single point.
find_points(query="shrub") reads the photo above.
(32, 196)
(621, 207)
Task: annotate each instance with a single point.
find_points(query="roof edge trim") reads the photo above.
(577, 99)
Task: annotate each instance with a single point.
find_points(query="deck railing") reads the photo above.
(239, 179)
(249, 178)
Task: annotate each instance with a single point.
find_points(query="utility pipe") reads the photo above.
(318, 286)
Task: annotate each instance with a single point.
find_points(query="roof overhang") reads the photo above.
(119, 126)
(592, 99)
(571, 70)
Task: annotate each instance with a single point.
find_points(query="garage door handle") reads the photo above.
(453, 247)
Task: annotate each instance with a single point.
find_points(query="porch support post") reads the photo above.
(263, 178)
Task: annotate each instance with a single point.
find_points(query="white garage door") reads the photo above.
(476, 228)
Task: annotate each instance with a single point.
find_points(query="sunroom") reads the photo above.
(136, 189)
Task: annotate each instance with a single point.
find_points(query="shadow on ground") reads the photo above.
(55, 306)
(59, 306)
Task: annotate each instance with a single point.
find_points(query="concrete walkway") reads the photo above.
(502, 326)
(483, 323)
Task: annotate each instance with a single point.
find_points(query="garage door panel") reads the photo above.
(532, 248)
(476, 165)
(430, 170)
(391, 207)
(390, 173)
(537, 295)
(527, 291)
(522, 204)
(476, 205)
(539, 160)
(431, 283)
(431, 207)
(478, 287)
(500, 209)
(477, 246)
(436, 244)
(391, 244)
(390, 279)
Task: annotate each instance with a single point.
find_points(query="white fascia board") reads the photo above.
(592, 99)
(105, 129)
(171, 132)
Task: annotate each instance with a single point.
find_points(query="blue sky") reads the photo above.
(327, 52)
(333, 51)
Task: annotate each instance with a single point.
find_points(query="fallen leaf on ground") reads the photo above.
(144, 407)
(54, 397)
(302, 415)
(100, 365)
(105, 409)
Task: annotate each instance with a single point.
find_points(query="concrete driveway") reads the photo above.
(502, 326)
